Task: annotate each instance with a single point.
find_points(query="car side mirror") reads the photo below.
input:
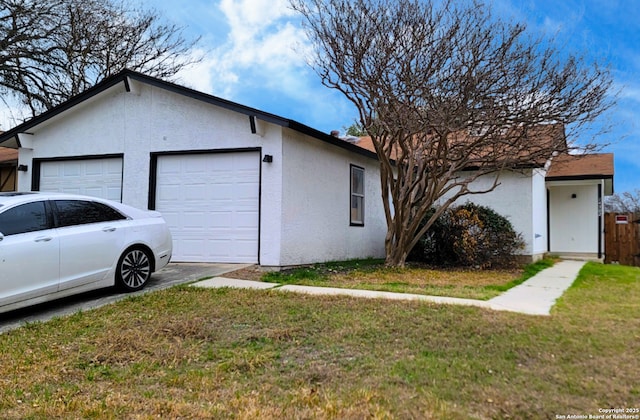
(1, 236)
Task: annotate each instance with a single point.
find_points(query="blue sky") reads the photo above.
(254, 54)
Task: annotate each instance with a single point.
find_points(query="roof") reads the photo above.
(10, 138)
(593, 166)
(8, 155)
(567, 167)
(540, 139)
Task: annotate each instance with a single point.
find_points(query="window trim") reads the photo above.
(352, 170)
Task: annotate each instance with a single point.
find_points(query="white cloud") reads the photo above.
(262, 63)
(249, 18)
(630, 92)
(198, 76)
(263, 43)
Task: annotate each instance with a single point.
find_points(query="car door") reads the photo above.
(92, 236)
(29, 253)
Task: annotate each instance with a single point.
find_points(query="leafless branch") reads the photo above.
(52, 50)
(448, 94)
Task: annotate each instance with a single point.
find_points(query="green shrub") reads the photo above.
(468, 236)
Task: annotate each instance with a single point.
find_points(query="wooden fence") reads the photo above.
(622, 238)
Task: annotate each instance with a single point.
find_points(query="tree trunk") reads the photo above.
(397, 258)
(396, 244)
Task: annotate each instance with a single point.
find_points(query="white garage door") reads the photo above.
(95, 177)
(211, 203)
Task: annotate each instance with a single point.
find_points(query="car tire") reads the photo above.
(133, 270)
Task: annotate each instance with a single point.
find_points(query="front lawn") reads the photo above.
(198, 353)
(372, 275)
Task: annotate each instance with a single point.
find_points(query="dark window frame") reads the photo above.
(358, 196)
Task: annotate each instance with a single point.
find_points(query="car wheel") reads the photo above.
(134, 270)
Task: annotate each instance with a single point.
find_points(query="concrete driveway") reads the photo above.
(172, 274)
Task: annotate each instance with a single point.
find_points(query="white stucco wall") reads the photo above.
(539, 213)
(151, 119)
(304, 208)
(521, 198)
(573, 222)
(316, 197)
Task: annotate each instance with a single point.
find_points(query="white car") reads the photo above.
(55, 245)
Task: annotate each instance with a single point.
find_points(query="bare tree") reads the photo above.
(627, 202)
(55, 49)
(448, 94)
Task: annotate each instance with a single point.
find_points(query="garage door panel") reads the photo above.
(211, 202)
(100, 177)
(94, 168)
(72, 169)
(196, 193)
(168, 193)
(221, 220)
(245, 220)
(192, 247)
(196, 220)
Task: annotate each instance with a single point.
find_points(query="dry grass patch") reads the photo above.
(200, 353)
(417, 279)
(422, 276)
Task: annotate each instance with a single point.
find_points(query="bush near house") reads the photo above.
(469, 236)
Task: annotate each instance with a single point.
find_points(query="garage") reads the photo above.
(97, 177)
(211, 202)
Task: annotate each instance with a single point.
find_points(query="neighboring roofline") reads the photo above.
(125, 75)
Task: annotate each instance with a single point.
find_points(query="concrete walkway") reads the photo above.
(535, 296)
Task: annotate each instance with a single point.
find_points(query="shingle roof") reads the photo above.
(595, 165)
(540, 139)
(563, 167)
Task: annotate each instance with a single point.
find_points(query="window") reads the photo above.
(357, 196)
(77, 212)
(28, 217)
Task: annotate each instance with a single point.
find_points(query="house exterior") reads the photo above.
(558, 208)
(521, 198)
(556, 205)
(235, 184)
(240, 185)
(576, 186)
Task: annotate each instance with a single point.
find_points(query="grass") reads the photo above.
(204, 353)
(372, 275)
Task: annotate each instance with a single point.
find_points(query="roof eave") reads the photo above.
(607, 178)
(578, 177)
(10, 138)
(7, 136)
